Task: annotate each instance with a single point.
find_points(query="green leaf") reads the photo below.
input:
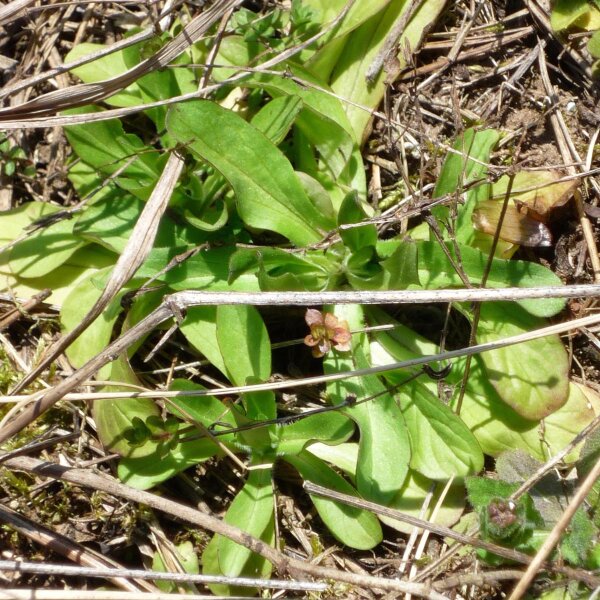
(502, 521)
(436, 271)
(262, 442)
(281, 270)
(531, 377)
(419, 491)
(343, 456)
(244, 343)
(442, 446)
(590, 454)
(114, 417)
(186, 557)
(44, 250)
(401, 342)
(325, 11)
(384, 453)
(594, 44)
(351, 526)
(234, 50)
(516, 466)
(402, 267)
(323, 124)
(148, 471)
(107, 67)
(206, 270)
(464, 165)
(482, 490)
(97, 336)
(270, 198)
(329, 428)
(499, 428)
(578, 541)
(83, 263)
(275, 119)
(317, 193)
(353, 211)
(110, 222)
(106, 147)
(415, 493)
(200, 329)
(348, 79)
(567, 12)
(251, 511)
(205, 409)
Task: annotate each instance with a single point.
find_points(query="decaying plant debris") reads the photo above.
(435, 159)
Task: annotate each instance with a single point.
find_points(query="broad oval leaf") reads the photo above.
(498, 428)
(329, 428)
(384, 447)
(244, 343)
(354, 527)
(44, 250)
(268, 192)
(107, 67)
(108, 148)
(436, 271)
(411, 498)
(251, 511)
(200, 329)
(442, 446)
(146, 472)
(532, 377)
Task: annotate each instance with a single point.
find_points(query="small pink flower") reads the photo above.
(326, 330)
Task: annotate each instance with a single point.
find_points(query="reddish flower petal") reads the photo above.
(309, 340)
(331, 321)
(313, 317)
(343, 346)
(324, 346)
(341, 336)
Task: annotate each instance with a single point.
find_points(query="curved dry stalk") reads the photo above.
(283, 564)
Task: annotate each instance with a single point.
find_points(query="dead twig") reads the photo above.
(55, 542)
(16, 313)
(87, 93)
(112, 573)
(283, 564)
